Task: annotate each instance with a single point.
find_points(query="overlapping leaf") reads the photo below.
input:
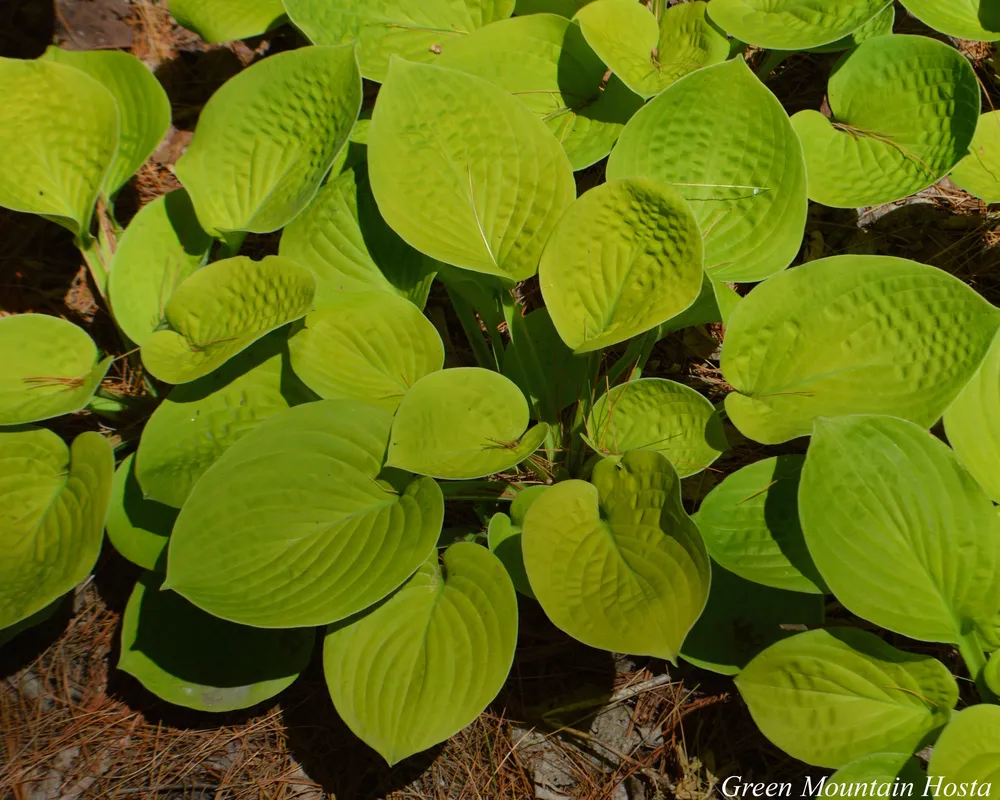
(879, 25)
(979, 172)
(978, 20)
(969, 750)
(876, 771)
(138, 527)
(504, 537)
(223, 20)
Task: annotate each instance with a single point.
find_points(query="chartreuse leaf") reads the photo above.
(624, 258)
(979, 172)
(742, 618)
(143, 106)
(50, 368)
(793, 24)
(462, 423)
(545, 62)
(972, 423)
(902, 534)
(750, 523)
(293, 527)
(422, 665)
(879, 25)
(968, 750)
(221, 310)
(649, 55)
(382, 28)
(750, 201)
(657, 414)
(162, 246)
(59, 137)
(224, 20)
(616, 563)
(343, 239)
(978, 20)
(192, 659)
(891, 133)
(852, 335)
(370, 346)
(875, 770)
(138, 527)
(269, 136)
(52, 522)
(198, 421)
(504, 537)
(500, 179)
(830, 696)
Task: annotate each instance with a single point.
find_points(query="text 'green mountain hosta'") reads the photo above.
(625, 257)
(293, 526)
(978, 20)
(979, 172)
(616, 563)
(268, 137)
(904, 110)
(726, 144)
(465, 172)
(224, 20)
(852, 335)
(793, 24)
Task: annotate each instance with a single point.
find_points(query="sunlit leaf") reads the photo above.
(223, 20)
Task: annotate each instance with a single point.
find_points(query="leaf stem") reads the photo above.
(975, 661)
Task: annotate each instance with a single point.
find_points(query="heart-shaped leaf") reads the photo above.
(902, 534)
(269, 136)
(462, 423)
(162, 246)
(968, 750)
(649, 55)
(877, 770)
(55, 502)
(616, 563)
(978, 20)
(828, 697)
(221, 310)
(504, 537)
(370, 346)
(750, 202)
(224, 20)
(887, 138)
(138, 527)
(500, 179)
(192, 659)
(50, 368)
(419, 667)
(657, 414)
(382, 28)
(624, 258)
(295, 516)
(979, 172)
(852, 335)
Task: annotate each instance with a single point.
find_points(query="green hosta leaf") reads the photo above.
(545, 62)
(888, 137)
(624, 258)
(973, 423)
(221, 310)
(59, 137)
(979, 172)
(875, 771)
(462, 423)
(616, 563)
(343, 239)
(192, 659)
(879, 25)
(138, 527)
(742, 618)
(415, 31)
(793, 24)
(504, 537)
(162, 246)
(269, 136)
(421, 666)
(198, 421)
(657, 414)
(828, 697)
(852, 335)
(52, 521)
(500, 179)
(297, 520)
(714, 303)
(751, 526)
(370, 346)
(978, 20)
(902, 534)
(50, 368)
(750, 202)
(143, 106)
(968, 750)
(648, 55)
(224, 20)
